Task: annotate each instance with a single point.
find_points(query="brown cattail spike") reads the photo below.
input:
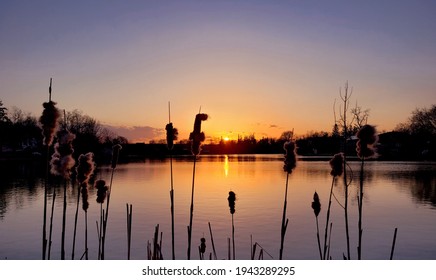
(84, 191)
(368, 138)
(232, 199)
(197, 136)
(49, 121)
(62, 160)
(101, 187)
(316, 205)
(85, 168)
(337, 164)
(203, 245)
(290, 156)
(172, 134)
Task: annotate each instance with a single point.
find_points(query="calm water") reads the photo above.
(397, 195)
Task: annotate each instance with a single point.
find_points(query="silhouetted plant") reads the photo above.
(367, 136)
(196, 137)
(232, 199)
(172, 134)
(316, 206)
(49, 122)
(84, 170)
(102, 189)
(290, 163)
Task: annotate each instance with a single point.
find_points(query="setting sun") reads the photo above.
(226, 138)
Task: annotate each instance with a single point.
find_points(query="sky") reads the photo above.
(255, 67)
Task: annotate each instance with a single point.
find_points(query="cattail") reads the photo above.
(101, 187)
(84, 191)
(62, 160)
(115, 154)
(203, 245)
(337, 164)
(49, 121)
(290, 156)
(172, 134)
(232, 199)
(85, 168)
(316, 205)
(367, 136)
(197, 136)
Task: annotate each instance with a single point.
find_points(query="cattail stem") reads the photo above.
(105, 219)
(324, 256)
(51, 224)
(360, 200)
(233, 238)
(172, 208)
(129, 229)
(64, 220)
(86, 235)
(75, 224)
(317, 236)
(284, 219)
(213, 244)
(393, 244)
(191, 210)
(44, 226)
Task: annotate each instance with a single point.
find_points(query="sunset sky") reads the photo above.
(259, 67)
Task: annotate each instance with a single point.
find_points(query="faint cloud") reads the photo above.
(137, 134)
(273, 126)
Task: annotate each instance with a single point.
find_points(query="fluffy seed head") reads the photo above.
(368, 138)
(290, 156)
(85, 168)
(101, 187)
(172, 134)
(197, 136)
(49, 121)
(62, 160)
(337, 164)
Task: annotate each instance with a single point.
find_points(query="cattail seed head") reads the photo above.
(49, 121)
(115, 154)
(232, 199)
(337, 164)
(197, 136)
(84, 191)
(316, 204)
(202, 245)
(290, 156)
(85, 168)
(172, 134)
(62, 160)
(101, 187)
(368, 138)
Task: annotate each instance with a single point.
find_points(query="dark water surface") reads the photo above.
(397, 195)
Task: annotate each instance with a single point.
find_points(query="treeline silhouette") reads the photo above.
(20, 137)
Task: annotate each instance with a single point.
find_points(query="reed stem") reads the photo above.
(64, 220)
(233, 238)
(213, 244)
(393, 244)
(324, 256)
(360, 200)
(75, 224)
(172, 208)
(284, 219)
(51, 224)
(129, 229)
(44, 226)
(317, 236)
(191, 210)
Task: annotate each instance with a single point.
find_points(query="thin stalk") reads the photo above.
(51, 224)
(360, 200)
(191, 210)
(213, 244)
(75, 224)
(393, 244)
(129, 229)
(64, 219)
(105, 219)
(86, 235)
(328, 219)
(44, 225)
(284, 219)
(172, 208)
(233, 238)
(330, 242)
(317, 236)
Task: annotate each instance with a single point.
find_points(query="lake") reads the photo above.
(396, 195)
